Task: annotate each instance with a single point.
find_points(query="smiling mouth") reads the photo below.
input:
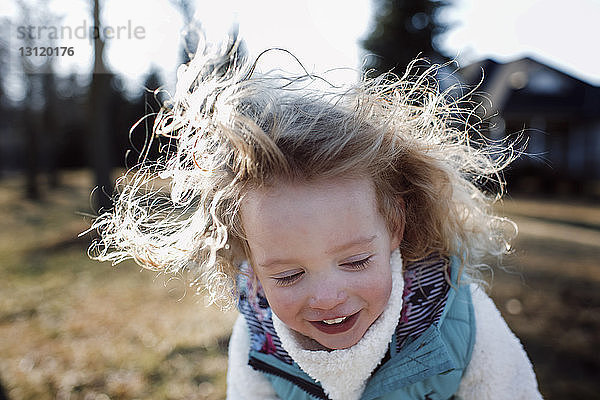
(336, 325)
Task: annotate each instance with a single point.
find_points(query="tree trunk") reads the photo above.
(32, 189)
(100, 135)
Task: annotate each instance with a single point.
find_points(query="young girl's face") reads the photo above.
(322, 254)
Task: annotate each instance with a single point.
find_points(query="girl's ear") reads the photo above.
(398, 234)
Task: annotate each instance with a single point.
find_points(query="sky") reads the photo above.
(563, 34)
(325, 34)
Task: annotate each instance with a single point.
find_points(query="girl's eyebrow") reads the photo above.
(356, 242)
(269, 263)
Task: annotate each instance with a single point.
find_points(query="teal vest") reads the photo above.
(428, 367)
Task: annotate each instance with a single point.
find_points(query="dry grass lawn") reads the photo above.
(72, 328)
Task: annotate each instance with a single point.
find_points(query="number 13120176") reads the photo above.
(46, 51)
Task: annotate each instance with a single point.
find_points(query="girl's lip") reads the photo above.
(332, 329)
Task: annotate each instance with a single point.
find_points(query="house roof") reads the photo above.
(527, 86)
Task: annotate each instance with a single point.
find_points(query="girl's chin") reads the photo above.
(339, 344)
(318, 341)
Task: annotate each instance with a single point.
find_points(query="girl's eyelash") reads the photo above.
(354, 265)
(360, 264)
(287, 280)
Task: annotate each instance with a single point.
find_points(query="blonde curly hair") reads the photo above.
(233, 129)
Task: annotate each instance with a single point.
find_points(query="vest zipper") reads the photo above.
(309, 387)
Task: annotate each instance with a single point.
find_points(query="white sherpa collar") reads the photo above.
(343, 373)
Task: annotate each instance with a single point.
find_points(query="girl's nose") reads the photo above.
(327, 297)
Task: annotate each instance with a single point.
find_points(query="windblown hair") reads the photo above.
(234, 129)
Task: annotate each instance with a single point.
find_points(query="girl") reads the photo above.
(345, 223)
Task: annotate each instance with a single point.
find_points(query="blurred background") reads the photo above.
(76, 76)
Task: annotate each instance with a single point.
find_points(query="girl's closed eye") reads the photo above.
(287, 280)
(358, 265)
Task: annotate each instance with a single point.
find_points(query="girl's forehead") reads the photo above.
(296, 190)
(272, 206)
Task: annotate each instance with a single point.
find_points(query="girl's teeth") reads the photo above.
(334, 321)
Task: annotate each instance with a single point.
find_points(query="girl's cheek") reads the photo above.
(376, 286)
(280, 298)
(372, 280)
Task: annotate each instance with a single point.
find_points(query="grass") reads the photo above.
(72, 328)
(550, 293)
